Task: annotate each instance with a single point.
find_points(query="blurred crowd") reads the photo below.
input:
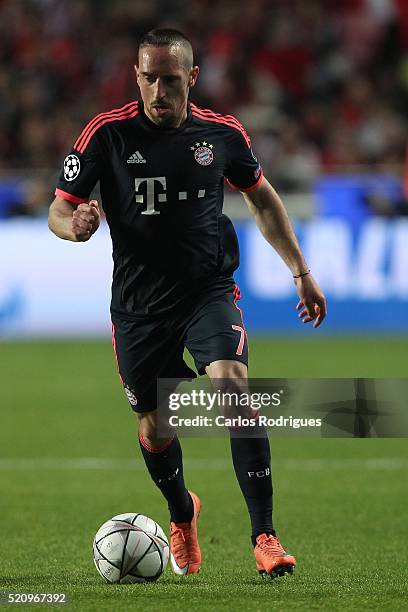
(321, 85)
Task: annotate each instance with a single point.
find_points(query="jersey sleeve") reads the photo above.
(81, 170)
(243, 171)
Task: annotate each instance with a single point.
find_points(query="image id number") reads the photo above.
(33, 598)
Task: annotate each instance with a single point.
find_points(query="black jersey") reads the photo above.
(162, 192)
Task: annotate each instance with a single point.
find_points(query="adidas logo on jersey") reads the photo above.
(136, 158)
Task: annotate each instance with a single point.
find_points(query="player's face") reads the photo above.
(164, 81)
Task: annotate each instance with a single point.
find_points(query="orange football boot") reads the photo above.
(184, 548)
(271, 557)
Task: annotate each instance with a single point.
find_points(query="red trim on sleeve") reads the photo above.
(71, 198)
(252, 188)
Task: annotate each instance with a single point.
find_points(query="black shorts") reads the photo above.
(149, 348)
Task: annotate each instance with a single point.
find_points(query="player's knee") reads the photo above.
(234, 397)
(227, 369)
(151, 432)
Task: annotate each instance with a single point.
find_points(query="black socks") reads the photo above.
(165, 466)
(252, 463)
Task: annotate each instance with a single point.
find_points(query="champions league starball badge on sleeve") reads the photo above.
(72, 167)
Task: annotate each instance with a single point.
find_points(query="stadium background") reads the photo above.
(322, 88)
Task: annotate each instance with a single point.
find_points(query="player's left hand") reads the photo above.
(312, 303)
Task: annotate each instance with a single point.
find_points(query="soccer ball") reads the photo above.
(130, 548)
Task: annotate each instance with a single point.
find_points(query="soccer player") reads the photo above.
(161, 163)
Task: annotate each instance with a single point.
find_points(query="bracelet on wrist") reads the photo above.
(302, 274)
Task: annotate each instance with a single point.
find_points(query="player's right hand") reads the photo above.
(85, 220)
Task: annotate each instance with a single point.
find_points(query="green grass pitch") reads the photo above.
(69, 460)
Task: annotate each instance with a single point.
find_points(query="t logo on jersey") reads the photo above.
(150, 193)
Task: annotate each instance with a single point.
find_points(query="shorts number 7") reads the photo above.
(241, 340)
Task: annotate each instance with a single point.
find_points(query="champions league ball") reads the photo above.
(72, 166)
(130, 548)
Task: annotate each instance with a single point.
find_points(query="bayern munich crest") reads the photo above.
(203, 153)
(72, 167)
(130, 395)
